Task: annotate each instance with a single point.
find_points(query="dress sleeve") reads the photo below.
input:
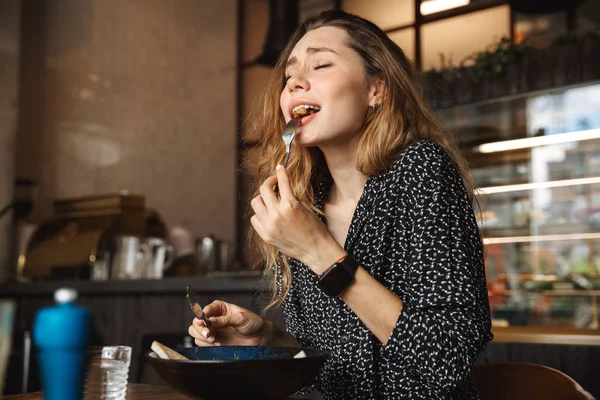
(295, 326)
(445, 321)
(292, 312)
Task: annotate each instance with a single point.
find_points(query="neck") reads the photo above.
(348, 182)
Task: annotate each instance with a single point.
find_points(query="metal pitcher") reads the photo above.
(213, 254)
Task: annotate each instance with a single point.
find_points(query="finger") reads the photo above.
(258, 227)
(216, 308)
(219, 322)
(285, 190)
(204, 330)
(236, 319)
(193, 331)
(199, 322)
(258, 205)
(202, 343)
(201, 334)
(267, 192)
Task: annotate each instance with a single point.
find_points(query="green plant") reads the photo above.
(491, 62)
(574, 37)
(494, 61)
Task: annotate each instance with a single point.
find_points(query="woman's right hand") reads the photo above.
(231, 325)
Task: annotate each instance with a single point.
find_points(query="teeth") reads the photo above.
(304, 109)
(305, 106)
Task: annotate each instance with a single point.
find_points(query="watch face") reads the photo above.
(335, 280)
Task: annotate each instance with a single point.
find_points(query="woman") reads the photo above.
(371, 243)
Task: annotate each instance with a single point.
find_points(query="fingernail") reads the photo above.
(277, 167)
(205, 333)
(217, 344)
(211, 339)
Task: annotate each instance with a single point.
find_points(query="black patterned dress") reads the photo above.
(414, 230)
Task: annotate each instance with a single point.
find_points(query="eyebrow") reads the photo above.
(311, 50)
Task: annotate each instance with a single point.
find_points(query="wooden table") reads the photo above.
(135, 391)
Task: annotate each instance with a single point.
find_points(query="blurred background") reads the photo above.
(123, 136)
(149, 98)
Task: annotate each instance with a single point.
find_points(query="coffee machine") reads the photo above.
(80, 238)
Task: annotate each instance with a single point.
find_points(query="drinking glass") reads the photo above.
(108, 369)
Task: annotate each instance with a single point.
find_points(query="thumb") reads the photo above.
(236, 319)
(216, 308)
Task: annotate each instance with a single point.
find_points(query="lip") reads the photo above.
(307, 119)
(297, 102)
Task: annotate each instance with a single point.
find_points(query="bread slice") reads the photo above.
(165, 352)
(301, 354)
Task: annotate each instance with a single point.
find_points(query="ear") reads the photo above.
(377, 89)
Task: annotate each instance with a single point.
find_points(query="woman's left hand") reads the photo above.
(291, 226)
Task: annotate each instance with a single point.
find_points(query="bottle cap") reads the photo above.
(65, 295)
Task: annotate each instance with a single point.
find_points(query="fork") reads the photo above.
(288, 136)
(197, 309)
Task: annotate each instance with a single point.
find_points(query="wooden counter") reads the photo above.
(135, 312)
(547, 335)
(134, 392)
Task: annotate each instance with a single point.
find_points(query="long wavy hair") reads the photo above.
(403, 117)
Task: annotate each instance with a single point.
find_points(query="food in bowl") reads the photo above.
(166, 353)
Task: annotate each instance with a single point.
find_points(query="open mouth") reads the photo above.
(304, 110)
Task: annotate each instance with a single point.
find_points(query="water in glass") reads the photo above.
(107, 374)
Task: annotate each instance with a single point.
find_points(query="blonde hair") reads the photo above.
(403, 117)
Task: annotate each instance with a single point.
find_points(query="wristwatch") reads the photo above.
(341, 274)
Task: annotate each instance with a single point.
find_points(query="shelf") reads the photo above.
(543, 230)
(571, 293)
(546, 335)
(234, 282)
(581, 292)
(538, 208)
(485, 160)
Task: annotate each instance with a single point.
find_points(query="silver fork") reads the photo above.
(288, 136)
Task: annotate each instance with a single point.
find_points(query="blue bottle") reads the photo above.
(61, 333)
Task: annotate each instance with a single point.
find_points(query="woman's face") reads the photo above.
(323, 72)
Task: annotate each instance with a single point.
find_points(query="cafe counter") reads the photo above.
(137, 312)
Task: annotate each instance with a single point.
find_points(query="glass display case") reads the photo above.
(536, 161)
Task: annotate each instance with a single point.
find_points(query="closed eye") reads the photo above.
(287, 77)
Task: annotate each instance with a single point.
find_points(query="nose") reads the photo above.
(298, 82)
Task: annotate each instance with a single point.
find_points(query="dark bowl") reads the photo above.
(239, 372)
